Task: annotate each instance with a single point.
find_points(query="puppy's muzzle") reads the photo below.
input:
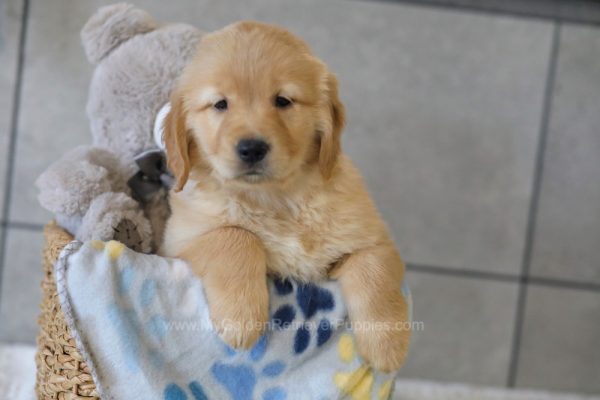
(252, 151)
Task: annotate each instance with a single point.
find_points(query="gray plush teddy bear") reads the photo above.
(117, 188)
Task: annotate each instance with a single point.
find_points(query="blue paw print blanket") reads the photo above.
(142, 323)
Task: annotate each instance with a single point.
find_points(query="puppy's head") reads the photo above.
(254, 106)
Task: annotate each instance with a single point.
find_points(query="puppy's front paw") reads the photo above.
(383, 337)
(384, 350)
(241, 319)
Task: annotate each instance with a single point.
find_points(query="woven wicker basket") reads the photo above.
(61, 372)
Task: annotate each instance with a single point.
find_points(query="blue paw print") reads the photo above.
(311, 299)
(127, 323)
(240, 379)
(175, 392)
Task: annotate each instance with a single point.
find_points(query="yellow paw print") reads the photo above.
(358, 384)
(113, 248)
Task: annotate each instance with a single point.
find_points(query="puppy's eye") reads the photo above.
(221, 105)
(282, 102)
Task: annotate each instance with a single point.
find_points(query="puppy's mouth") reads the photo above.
(254, 175)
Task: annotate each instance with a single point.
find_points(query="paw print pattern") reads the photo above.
(242, 375)
(240, 379)
(123, 316)
(310, 299)
(175, 392)
(358, 384)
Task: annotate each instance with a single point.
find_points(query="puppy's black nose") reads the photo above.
(252, 151)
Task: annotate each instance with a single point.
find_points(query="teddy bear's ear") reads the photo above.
(112, 25)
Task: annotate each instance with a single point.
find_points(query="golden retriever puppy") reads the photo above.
(253, 139)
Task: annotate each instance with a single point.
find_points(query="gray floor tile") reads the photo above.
(559, 349)
(52, 117)
(567, 240)
(21, 293)
(10, 24)
(443, 111)
(468, 325)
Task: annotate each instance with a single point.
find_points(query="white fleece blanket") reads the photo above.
(141, 321)
(143, 324)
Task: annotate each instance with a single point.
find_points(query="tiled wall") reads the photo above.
(478, 135)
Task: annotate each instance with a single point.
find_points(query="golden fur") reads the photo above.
(305, 214)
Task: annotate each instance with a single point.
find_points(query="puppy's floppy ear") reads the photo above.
(177, 142)
(332, 130)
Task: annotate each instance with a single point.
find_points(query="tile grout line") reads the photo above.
(14, 125)
(29, 226)
(502, 277)
(464, 273)
(488, 11)
(559, 283)
(533, 206)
